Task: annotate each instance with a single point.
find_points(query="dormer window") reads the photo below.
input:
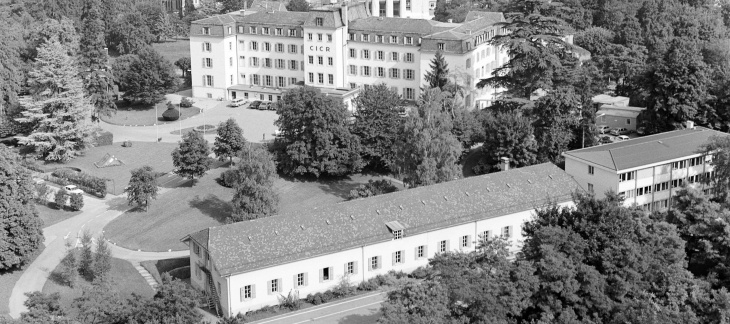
(252, 30)
(396, 228)
(397, 235)
(319, 21)
(206, 30)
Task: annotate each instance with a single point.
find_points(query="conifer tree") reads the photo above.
(102, 259)
(58, 111)
(438, 77)
(86, 259)
(93, 59)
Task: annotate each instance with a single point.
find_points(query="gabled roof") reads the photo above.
(217, 20)
(397, 25)
(646, 150)
(495, 16)
(279, 18)
(266, 242)
(267, 5)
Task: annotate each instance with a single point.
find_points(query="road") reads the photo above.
(356, 310)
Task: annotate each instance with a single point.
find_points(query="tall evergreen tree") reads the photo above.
(102, 259)
(93, 60)
(21, 231)
(438, 77)
(58, 112)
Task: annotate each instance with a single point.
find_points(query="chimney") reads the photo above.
(690, 124)
(504, 163)
(343, 13)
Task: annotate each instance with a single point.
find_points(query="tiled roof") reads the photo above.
(396, 25)
(217, 20)
(646, 150)
(480, 22)
(266, 5)
(285, 18)
(496, 16)
(331, 17)
(250, 245)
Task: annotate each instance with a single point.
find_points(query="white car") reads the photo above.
(602, 129)
(73, 189)
(237, 102)
(622, 138)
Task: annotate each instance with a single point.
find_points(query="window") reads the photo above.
(265, 30)
(320, 77)
(208, 80)
(394, 39)
(311, 59)
(319, 37)
(267, 62)
(196, 249)
(379, 55)
(292, 32)
(465, 241)
(366, 54)
(274, 286)
(301, 280)
(679, 165)
(353, 85)
(486, 235)
(219, 288)
(590, 187)
(468, 63)
(198, 272)
(330, 61)
(329, 38)
(408, 4)
(256, 79)
(409, 74)
(374, 263)
(207, 62)
(311, 77)
(252, 30)
(309, 36)
(278, 31)
(292, 81)
(507, 231)
(591, 169)
(409, 93)
(330, 79)
(246, 292)
(254, 46)
(353, 70)
(319, 21)
(394, 73)
(350, 267)
(696, 161)
(398, 234)
(240, 29)
(267, 81)
(267, 46)
(292, 49)
(366, 71)
(206, 47)
(351, 36)
(420, 251)
(440, 46)
(380, 72)
(280, 64)
(292, 64)
(255, 61)
(394, 56)
(279, 48)
(230, 61)
(353, 53)
(397, 257)
(206, 30)
(626, 176)
(365, 37)
(320, 60)
(443, 246)
(409, 40)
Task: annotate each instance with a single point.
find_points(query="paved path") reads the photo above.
(255, 123)
(357, 310)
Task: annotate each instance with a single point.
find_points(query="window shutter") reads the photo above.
(295, 281)
(306, 279)
(403, 256)
(425, 251)
(393, 257)
(354, 267)
(253, 291)
(280, 285)
(415, 253)
(242, 291)
(468, 241)
(332, 273)
(448, 245)
(321, 275)
(212, 83)
(370, 264)
(268, 286)
(202, 63)
(204, 81)
(380, 261)
(346, 268)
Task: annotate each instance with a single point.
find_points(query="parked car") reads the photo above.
(273, 105)
(602, 129)
(255, 104)
(73, 189)
(606, 139)
(622, 138)
(265, 106)
(237, 102)
(641, 131)
(620, 131)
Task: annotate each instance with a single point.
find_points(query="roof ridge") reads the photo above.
(610, 153)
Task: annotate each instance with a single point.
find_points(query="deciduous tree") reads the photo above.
(377, 124)
(20, 227)
(191, 157)
(142, 186)
(146, 78)
(43, 308)
(76, 201)
(298, 5)
(508, 135)
(230, 141)
(417, 303)
(183, 64)
(255, 196)
(315, 137)
(130, 33)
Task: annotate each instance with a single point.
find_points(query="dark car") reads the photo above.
(606, 139)
(265, 106)
(255, 104)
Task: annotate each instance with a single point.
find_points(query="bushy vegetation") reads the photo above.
(372, 188)
(186, 102)
(171, 114)
(88, 183)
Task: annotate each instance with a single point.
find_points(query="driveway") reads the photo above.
(257, 125)
(357, 310)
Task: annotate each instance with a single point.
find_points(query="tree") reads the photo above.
(86, 260)
(99, 304)
(427, 152)
(555, 119)
(174, 300)
(377, 124)
(183, 64)
(418, 303)
(255, 196)
(43, 308)
(69, 269)
(130, 33)
(146, 78)
(60, 197)
(76, 201)
(10, 69)
(58, 111)
(93, 60)
(438, 76)
(102, 259)
(142, 186)
(452, 11)
(60, 30)
(190, 158)
(507, 135)
(20, 226)
(298, 5)
(230, 141)
(233, 5)
(372, 188)
(315, 138)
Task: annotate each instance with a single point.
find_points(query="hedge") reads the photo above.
(102, 138)
(90, 184)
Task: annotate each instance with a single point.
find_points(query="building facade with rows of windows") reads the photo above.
(247, 265)
(647, 171)
(339, 48)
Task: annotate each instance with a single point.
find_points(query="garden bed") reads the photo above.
(144, 115)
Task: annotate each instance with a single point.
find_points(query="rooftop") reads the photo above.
(646, 150)
(261, 243)
(398, 25)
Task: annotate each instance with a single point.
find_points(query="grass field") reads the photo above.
(145, 115)
(173, 50)
(125, 280)
(52, 216)
(7, 282)
(156, 155)
(183, 210)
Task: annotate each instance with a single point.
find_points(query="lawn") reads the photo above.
(7, 282)
(52, 216)
(125, 280)
(183, 210)
(173, 50)
(156, 155)
(142, 115)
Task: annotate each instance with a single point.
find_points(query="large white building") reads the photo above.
(247, 265)
(339, 48)
(646, 171)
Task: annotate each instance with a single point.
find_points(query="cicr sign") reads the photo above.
(319, 48)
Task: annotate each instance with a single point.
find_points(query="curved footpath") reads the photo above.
(96, 214)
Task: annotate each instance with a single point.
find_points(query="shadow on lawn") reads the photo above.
(213, 206)
(359, 319)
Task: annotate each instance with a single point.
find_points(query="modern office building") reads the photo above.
(646, 171)
(247, 265)
(342, 48)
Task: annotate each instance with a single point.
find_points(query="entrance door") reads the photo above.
(233, 94)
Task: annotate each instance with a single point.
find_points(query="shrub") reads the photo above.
(228, 178)
(60, 198)
(127, 143)
(77, 201)
(419, 273)
(327, 296)
(290, 301)
(186, 102)
(102, 138)
(171, 113)
(90, 184)
(32, 165)
(372, 188)
(368, 285)
(41, 192)
(344, 288)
